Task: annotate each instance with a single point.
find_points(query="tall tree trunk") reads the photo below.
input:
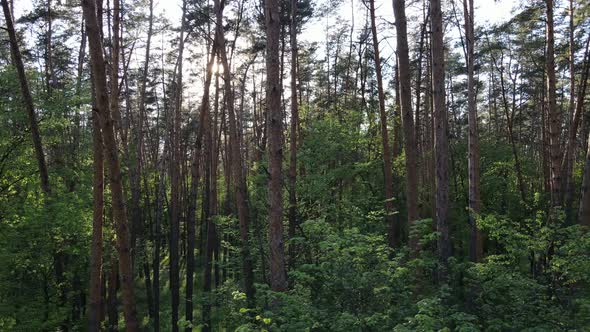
(475, 242)
(97, 222)
(175, 180)
(399, 9)
(208, 208)
(112, 303)
(293, 138)
(570, 153)
(118, 200)
(195, 176)
(160, 193)
(553, 110)
(239, 177)
(441, 144)
(49, 74)
(387, 153)
(27, 98)
(135, 173)
(584, 210)
(278, 275)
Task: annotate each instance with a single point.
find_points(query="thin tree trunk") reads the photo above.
(408, 121)
(570, 153)
(112, 303)
(554, 112)
(118, 200)
(237, 163)
(175, 184)
(97, 222)
(135, 173)
(387, 153)
(27, 99)
(160, 193)
(584, 210)
(293, 139)
(475, 242)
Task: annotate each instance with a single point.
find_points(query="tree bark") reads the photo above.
(293, 139)
(408, 121)
(278, 276)
(118, 200)
(239, 177)
(27, 99)
(441, 144)
(387, 153)
(553, 110)
(570, 153)
(584, 210)
(475, 241)
(175, 180)
(97, 222)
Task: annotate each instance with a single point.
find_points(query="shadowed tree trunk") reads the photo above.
(441, 144)
(553, 110)
(570, 153)
(293, 139)
(407, 117)
(97, 222)
(239, 176)
(175, 178)
(118, 200)
(278, 276)
(475, 242)
(387, 153)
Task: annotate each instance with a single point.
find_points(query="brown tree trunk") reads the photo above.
(175, 178)
(584, 210)
(27, 98)
(441, 144)
(293, 139)
(135, 173)
(578, 108)
(475, 242)
(399, 9)
(278, 276)
(160, 193)
(553, 110)
(387, 153)
(97, 222)
(239, 177)
(118, 200)
(112, 303)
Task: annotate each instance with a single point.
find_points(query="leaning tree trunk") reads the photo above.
(118, 200)
(570, 153)
(27, 98)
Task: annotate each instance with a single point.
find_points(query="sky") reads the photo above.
(486, 12)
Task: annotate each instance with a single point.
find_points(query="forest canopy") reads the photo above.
(219, 170)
